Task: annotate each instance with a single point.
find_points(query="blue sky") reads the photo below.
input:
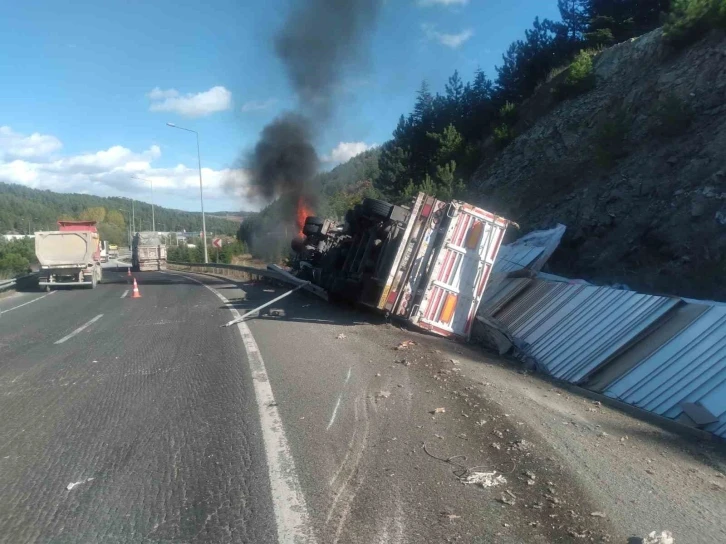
(88, 86)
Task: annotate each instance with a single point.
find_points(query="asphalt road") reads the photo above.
(306, 425)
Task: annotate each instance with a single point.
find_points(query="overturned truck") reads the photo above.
(427, 263)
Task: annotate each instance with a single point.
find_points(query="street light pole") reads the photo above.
(201, 190)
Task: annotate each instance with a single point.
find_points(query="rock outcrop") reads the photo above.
(636, 169)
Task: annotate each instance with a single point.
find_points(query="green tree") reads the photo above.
(115, 217)
(97, 214)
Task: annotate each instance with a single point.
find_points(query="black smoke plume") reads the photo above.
(317, 44)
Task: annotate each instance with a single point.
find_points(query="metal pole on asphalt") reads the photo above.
(201, 191)
(265, 305)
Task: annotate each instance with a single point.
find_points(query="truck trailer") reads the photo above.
(148, 252)
(69, 256)
(427, 263)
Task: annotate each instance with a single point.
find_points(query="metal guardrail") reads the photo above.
(252, 271)
(273, 272)
(9, 284)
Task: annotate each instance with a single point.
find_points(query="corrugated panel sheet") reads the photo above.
(515, 258)
(573, 329)
(501, 293)
(690, 367)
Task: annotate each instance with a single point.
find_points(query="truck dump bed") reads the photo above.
(65, 249)
(148, 252)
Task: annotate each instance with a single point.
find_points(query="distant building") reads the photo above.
(8, 237)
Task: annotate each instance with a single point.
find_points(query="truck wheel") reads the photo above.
(94, 281)
(378, 208)
(311, 230)
(47, 289)
(312, 220)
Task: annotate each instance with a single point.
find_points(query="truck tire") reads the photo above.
(311, 230)
(378, 208)
(312, 220)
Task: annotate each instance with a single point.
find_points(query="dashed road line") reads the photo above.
(125, 293)
(291, 513)
(79, 329)
(26, 303)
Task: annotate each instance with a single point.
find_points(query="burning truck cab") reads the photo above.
(427, 263)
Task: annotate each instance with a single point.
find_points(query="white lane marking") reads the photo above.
(125, 293)
(347, 378)
(26, 303)
(79, 329)
(335, 412)
(291, 513)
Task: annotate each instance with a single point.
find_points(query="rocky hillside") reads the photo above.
(636, 169)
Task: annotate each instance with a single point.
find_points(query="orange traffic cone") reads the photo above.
(136, 290)
(129, 271)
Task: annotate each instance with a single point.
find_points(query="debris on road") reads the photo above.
(484, 479)
(405, 344)
(404, 362)
(383, 394)
(597, 514)
(76, 484)
(438, 411)
(265, 305)
(665, 537)
(507, 500)
(341, 336)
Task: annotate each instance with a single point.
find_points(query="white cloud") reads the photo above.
(190, 105)
(258, 105)
(449, 40)
(443, 2)
(345, 151)
(109, 172)
(19, 146)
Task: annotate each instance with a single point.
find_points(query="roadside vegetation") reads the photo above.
(16, 256)
(25, 210)
(226, 255)
(690, 20)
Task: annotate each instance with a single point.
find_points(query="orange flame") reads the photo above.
(303, 211)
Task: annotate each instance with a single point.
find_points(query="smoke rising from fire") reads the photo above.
(318, 42)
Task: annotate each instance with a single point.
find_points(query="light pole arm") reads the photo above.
(201, 190)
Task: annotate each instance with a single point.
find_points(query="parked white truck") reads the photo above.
(148, 252)
(69, 256)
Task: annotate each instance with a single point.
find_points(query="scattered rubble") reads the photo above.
(484, 479)
(664, 537)
(405, 344)
(383, 394)
(341, 336)
(76, 484)
(438, 411)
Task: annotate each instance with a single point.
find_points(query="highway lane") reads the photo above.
(150, 407)
(158, 405)
(356, 421)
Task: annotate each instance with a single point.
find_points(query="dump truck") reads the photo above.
(148, 252)
(69, 256)
(427, 263)
(104, 251)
